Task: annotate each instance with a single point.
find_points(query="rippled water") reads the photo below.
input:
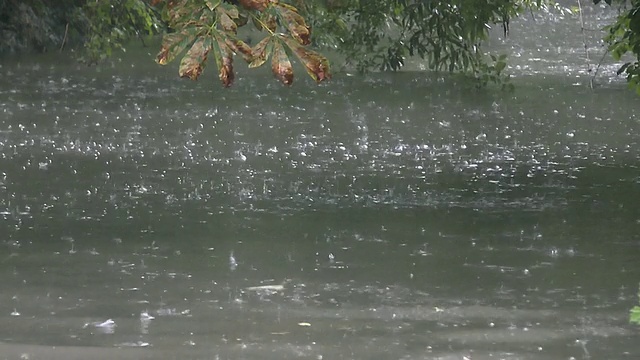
(393, 216)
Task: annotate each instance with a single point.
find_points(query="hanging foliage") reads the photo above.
(623, 37)
(209, 28)
(447, 34)
(110, 24)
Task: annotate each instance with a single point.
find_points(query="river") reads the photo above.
(386, 216)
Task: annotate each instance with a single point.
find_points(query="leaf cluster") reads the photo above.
(448, 34)
(209, 28)
(623, 37)
(493, 73)
(111, 23)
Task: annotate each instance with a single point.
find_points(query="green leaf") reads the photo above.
(212, 4)
(623, 68)
(635, 315)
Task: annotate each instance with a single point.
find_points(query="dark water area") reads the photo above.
(388, 216)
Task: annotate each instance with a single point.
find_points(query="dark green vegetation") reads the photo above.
(368, 34)
(110, 24)
(36, 26)
(100, 26)
(447, 34)
(624, 37)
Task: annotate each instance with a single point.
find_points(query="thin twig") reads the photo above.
(64, 39)
(584, 42)
(598, 67)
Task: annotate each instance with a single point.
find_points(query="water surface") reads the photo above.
(391, 216)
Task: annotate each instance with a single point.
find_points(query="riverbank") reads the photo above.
(36, 26)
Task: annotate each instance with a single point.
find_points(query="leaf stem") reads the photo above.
(263, 24)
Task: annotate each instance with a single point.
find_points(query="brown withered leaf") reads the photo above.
(259, 5)
(226, 72)
(226, 14)
(194, 61)
(261, 52)
(173, 44)
(281, 65)
(317, 66)
(224, 59)
(181, 12)
(295, 23)
(239, 46)
(227, 23)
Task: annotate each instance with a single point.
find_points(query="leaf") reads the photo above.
(261, 52)
(634, 20)
(618, 50)
(212, 4)
(266, 22)
(181, 12)
(623, 68)
(281, 65)
(226, 71)
(194, 61)
(226, 13)
(635, 315)
(239, 46)
(242, 19)
(295, 23)
(317, 66)
(259, 5)
(173, 45)
(224, 59)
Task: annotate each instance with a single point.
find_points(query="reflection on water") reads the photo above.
(392, 216)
